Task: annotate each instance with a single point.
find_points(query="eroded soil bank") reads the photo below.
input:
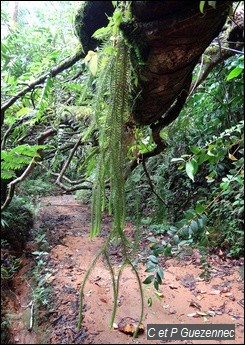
(185, 298)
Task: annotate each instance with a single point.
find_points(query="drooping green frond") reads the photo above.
(112, 103)
(111, 165)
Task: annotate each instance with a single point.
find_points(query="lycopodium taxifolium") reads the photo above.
(112, 104)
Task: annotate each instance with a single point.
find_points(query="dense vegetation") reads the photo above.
(57, 130)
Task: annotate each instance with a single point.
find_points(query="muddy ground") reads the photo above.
(185, 298)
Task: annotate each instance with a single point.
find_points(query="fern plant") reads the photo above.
(17, 158)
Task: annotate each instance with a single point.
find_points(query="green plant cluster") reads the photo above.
(201, 174)
(10, 264)
(16, 223)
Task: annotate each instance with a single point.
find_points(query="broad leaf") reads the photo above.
(177, 160)
(234, 73)
(93, 64)
(150, 268)
(194, 226)
(176, 239)
(200, 208)
(212, 3)
(160, 272)
(153, 259)
(201, 6)
(191, 169)
(156, 284)
(168, 250)
(148, 280)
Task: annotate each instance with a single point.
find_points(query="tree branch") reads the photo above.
(151, 184)
(5, 136)
(216, 60)
(220, 53)
(60, 176)
(68, 160)
(52, 73)
(76, 182)
(168, 118)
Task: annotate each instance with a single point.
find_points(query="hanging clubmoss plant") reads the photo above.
(112, 106)
(112, 144)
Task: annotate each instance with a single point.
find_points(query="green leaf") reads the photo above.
(150, 268)
(168, 250)
(189, 214)
(194, 226)
(212, 4)
(240, 180)
(7, 174)
(88, 158)
(158, 251)
(101, 32)
(27, 150)
(153, 259)
(148, 280)
(202, 158)
(224, 185)
(93, 64)
(201, 224)
(191, 169)
(177, 160)
(23, 111)
(160, 272)
(181, 167)
(201, 6)
(176, 239)
(149, 302)
(210, 153)
(237, 202)
(234, 73)
(172, 230)
(152, 239)
(156, 284)
(194, 149)
(195, 165)
(158, 278)
(154, 246)
(202, 221)
(185, 232)
(185, 242)
(158, 296)
(200, 208)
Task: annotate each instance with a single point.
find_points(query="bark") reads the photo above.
(173, 41)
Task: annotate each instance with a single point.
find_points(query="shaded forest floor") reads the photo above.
(185, 297)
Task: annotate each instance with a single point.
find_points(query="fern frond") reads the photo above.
(116, 80)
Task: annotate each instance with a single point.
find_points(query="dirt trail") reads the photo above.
(184, 294)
